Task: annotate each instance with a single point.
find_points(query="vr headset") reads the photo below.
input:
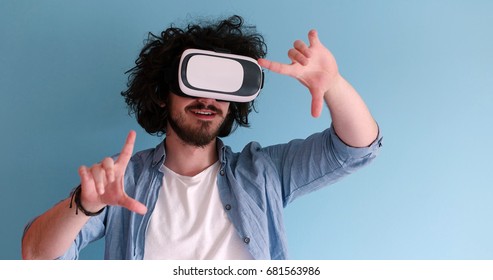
(220, 76)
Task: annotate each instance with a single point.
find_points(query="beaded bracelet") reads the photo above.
(76, 199)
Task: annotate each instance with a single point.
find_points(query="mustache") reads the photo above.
(200, 106)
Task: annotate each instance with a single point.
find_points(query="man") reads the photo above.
(191, 197)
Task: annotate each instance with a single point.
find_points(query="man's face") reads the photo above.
(196, 121)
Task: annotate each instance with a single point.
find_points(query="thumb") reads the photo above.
(317, 102)
(133, 205)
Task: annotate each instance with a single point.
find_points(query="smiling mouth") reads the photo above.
(203, 111)
(203, 114)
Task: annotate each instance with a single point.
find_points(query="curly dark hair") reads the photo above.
(156, 70)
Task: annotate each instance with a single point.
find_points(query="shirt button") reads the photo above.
(228, 207)
(246, 240)
(221, 172)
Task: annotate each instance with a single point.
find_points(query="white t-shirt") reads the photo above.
(189, 221)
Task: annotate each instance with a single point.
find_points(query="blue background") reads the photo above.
(425, 69)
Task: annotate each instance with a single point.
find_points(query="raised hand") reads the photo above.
(102, 183)
(314, 66)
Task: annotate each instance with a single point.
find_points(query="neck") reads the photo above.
(186, 159)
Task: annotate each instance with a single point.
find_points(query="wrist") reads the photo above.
(88, 210)
(336, 85)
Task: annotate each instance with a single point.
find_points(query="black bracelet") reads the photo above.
(76, 199)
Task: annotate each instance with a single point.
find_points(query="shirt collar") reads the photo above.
(159, 154)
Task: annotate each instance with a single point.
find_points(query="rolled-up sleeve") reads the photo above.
(355, 157)
(305, 165)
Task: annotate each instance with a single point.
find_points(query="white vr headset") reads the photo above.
(220, 76)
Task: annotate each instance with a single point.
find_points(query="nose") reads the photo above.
(205, 101)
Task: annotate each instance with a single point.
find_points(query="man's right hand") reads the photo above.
(102, 184)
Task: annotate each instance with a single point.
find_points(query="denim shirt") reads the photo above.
(254, 186)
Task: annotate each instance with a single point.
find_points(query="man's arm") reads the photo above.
(351, 118)
(316, 68)
(52, 233)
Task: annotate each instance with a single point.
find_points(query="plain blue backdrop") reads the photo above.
(425, 69)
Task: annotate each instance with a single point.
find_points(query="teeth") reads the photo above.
(203, 113)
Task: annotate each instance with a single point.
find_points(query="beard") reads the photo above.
(192, 134)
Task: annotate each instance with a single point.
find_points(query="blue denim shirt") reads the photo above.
(254, 186)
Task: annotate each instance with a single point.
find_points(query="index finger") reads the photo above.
(127, 149)
(277, 67)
